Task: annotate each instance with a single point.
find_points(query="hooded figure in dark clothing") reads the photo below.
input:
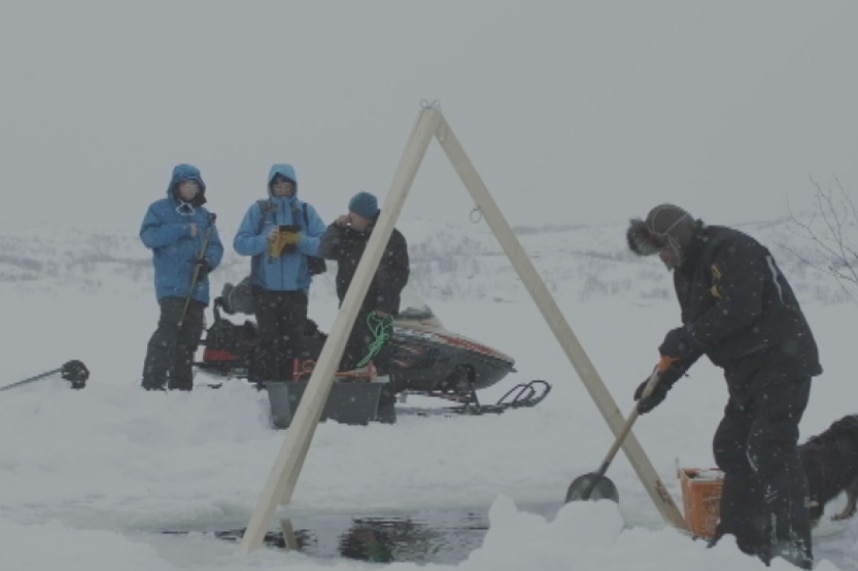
(344, 241)
(739, 310)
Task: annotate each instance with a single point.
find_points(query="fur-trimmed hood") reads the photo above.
(641, 240)
(666, 226)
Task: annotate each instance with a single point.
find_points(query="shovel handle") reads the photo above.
(662, 366)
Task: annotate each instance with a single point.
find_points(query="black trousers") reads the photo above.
(763, 501)
(281, 319)
(358, 342)
(171, 349)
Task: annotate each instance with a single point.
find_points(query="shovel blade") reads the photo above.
(599, 488)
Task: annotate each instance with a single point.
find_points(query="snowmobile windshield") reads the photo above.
(414, 308)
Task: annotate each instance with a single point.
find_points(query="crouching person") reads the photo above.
(185, 248)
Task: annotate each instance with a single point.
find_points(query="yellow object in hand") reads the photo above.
(286, 240)
(289, 237)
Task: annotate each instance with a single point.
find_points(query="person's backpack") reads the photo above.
(315, 265)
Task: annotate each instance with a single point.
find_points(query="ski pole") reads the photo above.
(196, 275)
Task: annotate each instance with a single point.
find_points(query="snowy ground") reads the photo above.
(89, 479)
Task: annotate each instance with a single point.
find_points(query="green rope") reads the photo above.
(381, 328)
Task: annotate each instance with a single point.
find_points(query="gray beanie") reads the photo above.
(364, 204)
(666, 226)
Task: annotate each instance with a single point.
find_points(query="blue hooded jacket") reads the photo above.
(166, 230)
(289, 271)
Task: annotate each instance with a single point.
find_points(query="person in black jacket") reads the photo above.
(739, 310)
(345, 241)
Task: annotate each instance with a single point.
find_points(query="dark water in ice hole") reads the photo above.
(444, 536)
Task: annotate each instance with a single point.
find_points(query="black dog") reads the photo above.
(830, 461)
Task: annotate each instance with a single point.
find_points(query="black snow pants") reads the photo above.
(763, 501)
(170, 352)
(281, 319)
(358, 342)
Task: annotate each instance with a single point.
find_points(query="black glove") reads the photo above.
(653, 400)
(668, 379)
(678, 344)
(75, 372)
(202, 268)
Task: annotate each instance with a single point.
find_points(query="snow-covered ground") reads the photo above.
(90, 479)
(573, 112)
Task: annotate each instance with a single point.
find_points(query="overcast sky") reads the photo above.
(571, 111)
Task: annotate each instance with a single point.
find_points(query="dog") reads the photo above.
(830, 461)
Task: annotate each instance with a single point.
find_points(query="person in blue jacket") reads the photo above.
(185, 248)
(281, 234)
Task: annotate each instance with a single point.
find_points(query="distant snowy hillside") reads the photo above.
(449, 261)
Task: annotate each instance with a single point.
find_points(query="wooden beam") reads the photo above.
(558, 324)
(284, 475)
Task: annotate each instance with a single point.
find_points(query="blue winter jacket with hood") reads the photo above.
(288, 272)
(166, 230)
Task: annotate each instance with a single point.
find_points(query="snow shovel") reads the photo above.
(595, 485)
(73, 371)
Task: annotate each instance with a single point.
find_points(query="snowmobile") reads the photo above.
(421, 357)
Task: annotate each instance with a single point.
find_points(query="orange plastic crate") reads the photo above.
(701, 496)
